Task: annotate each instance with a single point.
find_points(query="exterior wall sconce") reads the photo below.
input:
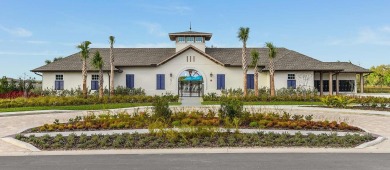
(211, 74)
(170, 75)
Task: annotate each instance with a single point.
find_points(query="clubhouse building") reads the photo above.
(192, 69)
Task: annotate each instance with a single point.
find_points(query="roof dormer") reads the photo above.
(197, 39)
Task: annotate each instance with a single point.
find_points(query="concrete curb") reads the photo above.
(371, 143)
(21, 144)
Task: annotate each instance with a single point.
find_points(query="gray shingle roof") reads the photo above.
(173, 36)
(287, 60)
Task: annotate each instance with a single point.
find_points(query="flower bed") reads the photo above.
(189, 119)
(192, 139)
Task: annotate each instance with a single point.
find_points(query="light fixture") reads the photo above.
(170, 74)
(211, 74)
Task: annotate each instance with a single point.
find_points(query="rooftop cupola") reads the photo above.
(184, 39)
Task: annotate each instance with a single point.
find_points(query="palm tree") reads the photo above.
(112, 41)
(243, 35)
(271, 55)
(98, 63)
(255, 59)
(84, 54)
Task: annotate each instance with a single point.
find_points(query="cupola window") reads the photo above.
(190, 39)
(199, 39)
(180, 39)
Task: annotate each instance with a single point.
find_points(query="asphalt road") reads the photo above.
(201, 161)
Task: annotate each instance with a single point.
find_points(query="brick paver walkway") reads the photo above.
(368, 120)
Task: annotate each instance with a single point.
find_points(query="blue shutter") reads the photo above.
(56, 85)
(291, 84)
(223, 81)
(294, 84)
(220, 81)
(94, 85)
(250, 81)
(162, 81)
(59, 85)
(130, 81)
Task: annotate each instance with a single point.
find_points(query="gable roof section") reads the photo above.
(195, 49)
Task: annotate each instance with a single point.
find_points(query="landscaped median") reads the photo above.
(160, 127)
(144, 130)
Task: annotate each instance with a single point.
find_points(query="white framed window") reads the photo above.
(59, 82)
(95, 82)
(59, 77)
(199, 39)
(181, 39)
(190, 39)
(95, 77)
(291, 76)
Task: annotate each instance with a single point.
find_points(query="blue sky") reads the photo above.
(350, 30)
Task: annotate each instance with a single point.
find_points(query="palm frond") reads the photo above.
(271, 50)
(84, 49)
(112, 40)
(255, 57)
(97, 61)
(243, 34)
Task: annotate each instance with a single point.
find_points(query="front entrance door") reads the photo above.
(190, 84)
(190, 88)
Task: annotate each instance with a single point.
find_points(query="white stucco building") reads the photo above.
(194, 69)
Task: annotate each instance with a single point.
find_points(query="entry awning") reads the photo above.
(190, 78)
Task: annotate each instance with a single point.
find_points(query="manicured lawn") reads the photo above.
(269, 103)
(80, 107)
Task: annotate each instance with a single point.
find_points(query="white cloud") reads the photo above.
(368, 36)
(20, 32)
(154, 29)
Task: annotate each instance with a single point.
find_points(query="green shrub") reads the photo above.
(337, 101)
(74, 100)
(253, 124)
(161, 108)
(231, 108)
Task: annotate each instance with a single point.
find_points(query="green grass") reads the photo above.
(269, 103)
(80, 107)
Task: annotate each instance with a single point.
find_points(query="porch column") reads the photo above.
(337, 84)
(321, 84)
(330, 83)
(361, 83)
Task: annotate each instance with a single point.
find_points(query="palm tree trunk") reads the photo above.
(101, 83)
(256, 81)
(244, 68)
(84, 73)
(112, 72)
(272, 79)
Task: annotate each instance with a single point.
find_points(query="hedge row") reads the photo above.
(66, 101)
